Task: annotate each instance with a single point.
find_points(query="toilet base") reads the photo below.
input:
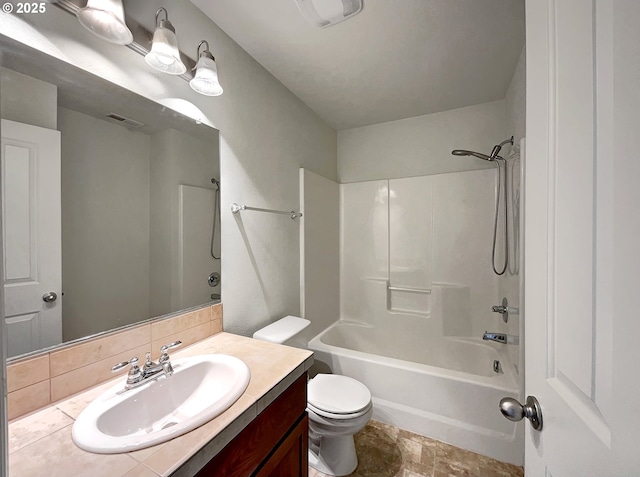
(333, 455)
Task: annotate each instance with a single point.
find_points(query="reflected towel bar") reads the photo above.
(235, 208)
(410, 290)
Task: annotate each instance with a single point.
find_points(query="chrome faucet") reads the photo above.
(501, 338)
(138, 376)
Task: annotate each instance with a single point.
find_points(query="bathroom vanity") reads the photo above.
(273, 444)
(264, 433)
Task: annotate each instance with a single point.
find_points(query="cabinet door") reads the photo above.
(261, 440)
(290, 459)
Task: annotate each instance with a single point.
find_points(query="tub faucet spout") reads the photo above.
(501, 338)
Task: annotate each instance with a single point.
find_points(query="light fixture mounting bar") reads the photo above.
(142, 38)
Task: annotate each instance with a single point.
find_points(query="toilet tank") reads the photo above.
(286, 331)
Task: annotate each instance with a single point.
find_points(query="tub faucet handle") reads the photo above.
(504, 309)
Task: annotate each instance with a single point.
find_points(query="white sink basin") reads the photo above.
(200, 388)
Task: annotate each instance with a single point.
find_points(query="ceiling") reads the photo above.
(395, 59)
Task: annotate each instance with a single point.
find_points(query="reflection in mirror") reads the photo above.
(109, 204)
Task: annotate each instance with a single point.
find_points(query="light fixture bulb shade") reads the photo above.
(206, 79)
(105, 19)
(165, 55)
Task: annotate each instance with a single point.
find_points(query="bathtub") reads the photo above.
(441, 387)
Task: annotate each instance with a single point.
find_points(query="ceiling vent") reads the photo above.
(326, 13)
(123, 121)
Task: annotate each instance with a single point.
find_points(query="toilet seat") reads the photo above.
(338, 397)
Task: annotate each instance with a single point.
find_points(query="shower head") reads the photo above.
(494, 153)
(464, 152)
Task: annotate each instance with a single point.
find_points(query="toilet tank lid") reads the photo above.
(282, 330)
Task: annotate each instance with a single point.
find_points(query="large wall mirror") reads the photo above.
(110, 204)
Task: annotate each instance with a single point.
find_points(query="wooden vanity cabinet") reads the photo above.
(274, 444)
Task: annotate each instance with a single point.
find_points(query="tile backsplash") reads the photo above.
(37, 381)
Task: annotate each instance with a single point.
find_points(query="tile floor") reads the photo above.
(386, 451)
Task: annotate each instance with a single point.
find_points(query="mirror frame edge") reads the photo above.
(4, 422)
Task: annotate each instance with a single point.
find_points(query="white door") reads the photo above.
(32, 236)
(582, 237)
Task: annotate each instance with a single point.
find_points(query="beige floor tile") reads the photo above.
(386, 451)
(391, 431)
(410, 449)
(418, 468)
(426, 442)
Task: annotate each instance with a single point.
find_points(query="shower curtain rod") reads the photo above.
(235, 208)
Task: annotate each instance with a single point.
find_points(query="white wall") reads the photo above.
(515, 100)
(105, 224)
(320, 251)
(509, 283)
(266, 135)
(421, 145)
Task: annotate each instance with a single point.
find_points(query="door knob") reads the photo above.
(514, 411)
(49, 297)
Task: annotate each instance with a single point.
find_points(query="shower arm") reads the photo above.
(498, 147)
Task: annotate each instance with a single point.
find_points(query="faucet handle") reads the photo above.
(133, 362)
(163, 350)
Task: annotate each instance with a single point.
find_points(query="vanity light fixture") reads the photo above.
(165, 55)
(105, 19)
(206, 80)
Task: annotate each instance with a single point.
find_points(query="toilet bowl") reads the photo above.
(338, 406)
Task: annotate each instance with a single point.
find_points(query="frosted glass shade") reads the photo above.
(105, 19)
(165, 55)
(206, 79)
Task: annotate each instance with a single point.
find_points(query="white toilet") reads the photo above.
(338, 406)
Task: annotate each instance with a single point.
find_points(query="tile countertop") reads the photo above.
(40, 444)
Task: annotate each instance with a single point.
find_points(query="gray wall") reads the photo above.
(105, 224)
(175, 159)
(420, 146)
(267, 134)
(28, 100)
(320, 229)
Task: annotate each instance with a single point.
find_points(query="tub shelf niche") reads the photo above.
(409, 299)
